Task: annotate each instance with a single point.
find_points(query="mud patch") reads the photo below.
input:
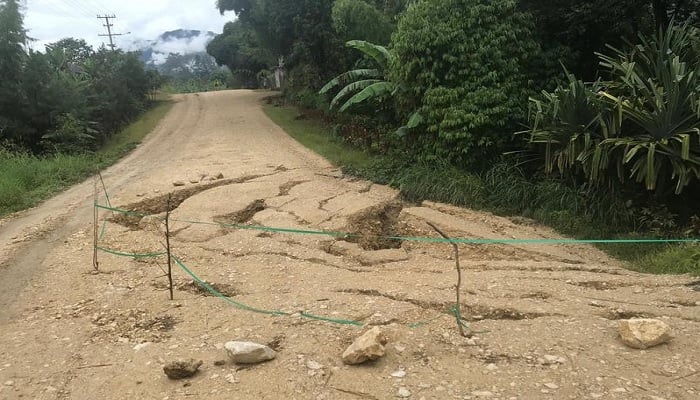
(371, 227)
(600, 285)
(169, 202)
(197, 289)
(620, 314)
(470, 312)
(133, 325)
(479, 312)
(536, 295)
(287, 187)
(242, 216)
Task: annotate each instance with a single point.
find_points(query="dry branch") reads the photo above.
(458, 311)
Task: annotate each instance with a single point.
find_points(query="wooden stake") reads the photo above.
(95, 238)
(167, 248)
(458, 312)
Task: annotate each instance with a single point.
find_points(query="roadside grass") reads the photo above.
(26, 180)
(315, 135)
(502, 191)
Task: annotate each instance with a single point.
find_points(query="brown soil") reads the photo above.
(545, 316)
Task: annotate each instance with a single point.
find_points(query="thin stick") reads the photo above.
(458, 312)
(96, 218)
(94, 366)
(167, 248)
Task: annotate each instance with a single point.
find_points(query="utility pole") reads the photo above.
(109, 26)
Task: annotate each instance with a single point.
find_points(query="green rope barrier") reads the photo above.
(333, 320)
(220, 295)
(453, 311)
(420, 239)
(130, 255)
(424, 323)
(120, 211)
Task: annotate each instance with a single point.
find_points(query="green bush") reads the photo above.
(464, 67)
(641, 126)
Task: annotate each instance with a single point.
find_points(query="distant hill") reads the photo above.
(180, 41)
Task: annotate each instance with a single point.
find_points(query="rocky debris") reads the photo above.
(644, 333)
(404, 393)
(368, 347)
(220, 175)
(399, 374)
(249, 352)
(313, 365)
(141, 346)
(182, 369)
(549, 359)
(179, 183)
(482, 393)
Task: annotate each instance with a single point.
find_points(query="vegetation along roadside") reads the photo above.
(584, 116)
(28, 179)
(503, 190)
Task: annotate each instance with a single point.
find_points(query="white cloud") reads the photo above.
(51, 20)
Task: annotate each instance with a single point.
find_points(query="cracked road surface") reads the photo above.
(544, 316)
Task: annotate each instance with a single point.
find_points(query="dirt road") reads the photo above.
(544, 316)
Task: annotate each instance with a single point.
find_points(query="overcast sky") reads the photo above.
(51, 20)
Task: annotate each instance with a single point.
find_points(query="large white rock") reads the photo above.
(367, 347)
(249, 352)
(644, 333)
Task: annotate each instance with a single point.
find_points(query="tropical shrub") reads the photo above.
(358, 20)
(464, 67)
(641, 125)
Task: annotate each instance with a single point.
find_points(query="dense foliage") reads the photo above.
(642, 124)
(464, 66)
(614, 133)
(307, 35)
(69, 98)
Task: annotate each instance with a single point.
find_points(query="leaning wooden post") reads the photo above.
(458, 312)
(95, 236)
(167, 248)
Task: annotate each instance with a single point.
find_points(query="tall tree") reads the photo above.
(13, 39)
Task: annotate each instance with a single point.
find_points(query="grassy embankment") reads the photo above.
(500, 191)
(27, 180)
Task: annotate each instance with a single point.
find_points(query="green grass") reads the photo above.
(132, 135)
(502, 191)
(683, 259)
(315, 135)
(26, 180)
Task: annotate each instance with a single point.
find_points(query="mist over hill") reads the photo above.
(181, 41)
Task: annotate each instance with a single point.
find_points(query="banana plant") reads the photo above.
(361, 85)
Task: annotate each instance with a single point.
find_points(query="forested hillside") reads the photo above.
(577, 113)
(68, 99)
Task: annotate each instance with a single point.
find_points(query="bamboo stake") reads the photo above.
(167, 248)
(95, 238)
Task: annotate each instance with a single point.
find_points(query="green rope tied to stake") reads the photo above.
(130, 255)
(454, 311)
(220, 295)
(419, 239)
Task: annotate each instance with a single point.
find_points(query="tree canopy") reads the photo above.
(68, 98)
